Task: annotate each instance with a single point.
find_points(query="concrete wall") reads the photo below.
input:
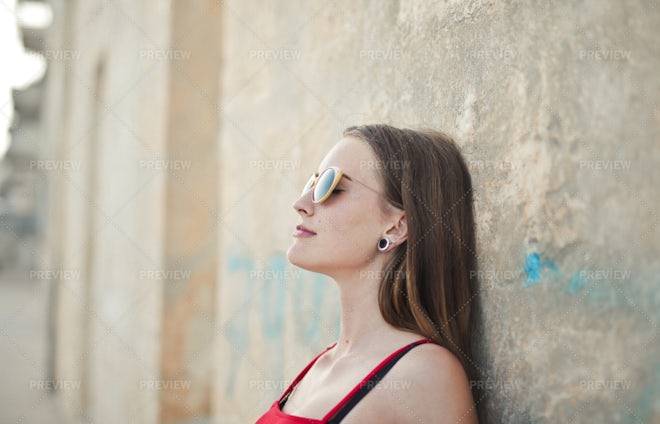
(107, 210)
(128, 157)
(180, 133)
(555, 105)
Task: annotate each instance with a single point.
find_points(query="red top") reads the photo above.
(276, 416)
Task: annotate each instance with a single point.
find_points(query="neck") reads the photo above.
(361, 323)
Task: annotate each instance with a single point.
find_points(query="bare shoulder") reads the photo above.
(437, 391)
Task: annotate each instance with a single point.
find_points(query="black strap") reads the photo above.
(283, 401)
(366, 386)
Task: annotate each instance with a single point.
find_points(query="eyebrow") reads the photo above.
(345, 175)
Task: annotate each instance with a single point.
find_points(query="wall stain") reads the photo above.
(534, 266)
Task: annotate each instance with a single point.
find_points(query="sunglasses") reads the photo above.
(323, 184)
(326, 182)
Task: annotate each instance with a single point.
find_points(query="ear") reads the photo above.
(398, 229)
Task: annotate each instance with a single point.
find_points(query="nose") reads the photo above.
(304, 204)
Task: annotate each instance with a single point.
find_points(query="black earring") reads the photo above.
(383, 244)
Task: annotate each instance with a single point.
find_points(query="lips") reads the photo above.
(303, 232)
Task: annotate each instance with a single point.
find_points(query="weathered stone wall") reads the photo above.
(131, 127)
(555, 106)
(106, 211)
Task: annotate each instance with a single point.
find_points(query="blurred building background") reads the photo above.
(145, 197)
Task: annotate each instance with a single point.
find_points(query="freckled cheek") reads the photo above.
(349, 223)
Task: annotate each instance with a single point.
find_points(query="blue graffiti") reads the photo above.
(235, 329)
(576, 284)
(309, 329)
(265, 290)
(534, 265)
(273, 301)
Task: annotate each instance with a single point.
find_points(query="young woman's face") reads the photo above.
(350, 222)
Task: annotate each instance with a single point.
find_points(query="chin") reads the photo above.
(299, 256)
(296, 256)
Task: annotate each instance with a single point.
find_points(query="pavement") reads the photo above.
(24, 381)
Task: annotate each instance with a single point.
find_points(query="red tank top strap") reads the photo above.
(303, 372)
(369, 376)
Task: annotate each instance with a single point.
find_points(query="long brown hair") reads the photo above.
(429, 283)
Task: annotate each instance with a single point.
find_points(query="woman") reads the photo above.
(389, 217)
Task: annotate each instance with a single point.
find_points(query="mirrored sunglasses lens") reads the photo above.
(308, 184)
(324, 183)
